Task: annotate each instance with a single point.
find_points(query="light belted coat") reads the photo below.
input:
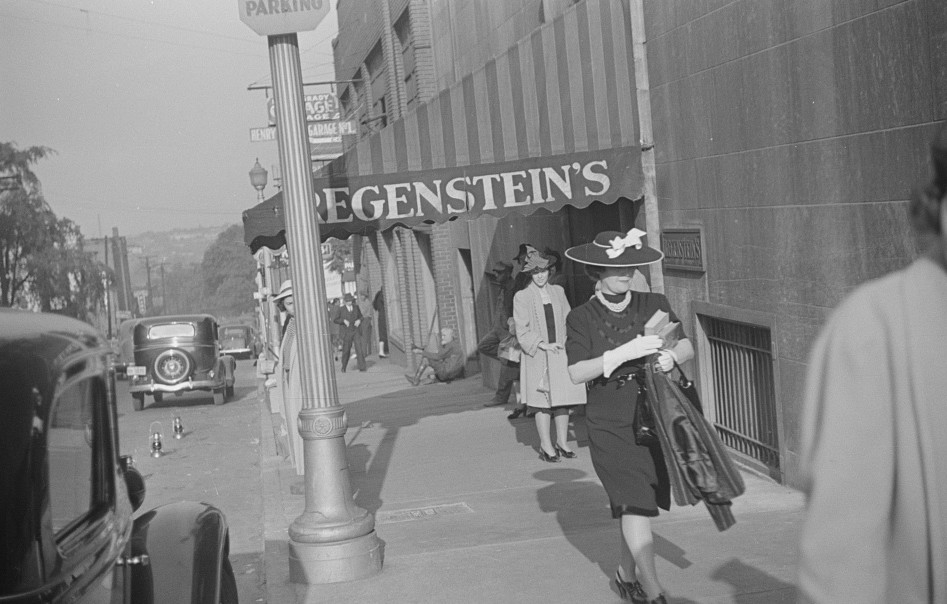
(290, 389)
(873, 446)
(544, 376)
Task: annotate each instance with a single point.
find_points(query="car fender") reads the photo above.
(186, 543)
(226, 366)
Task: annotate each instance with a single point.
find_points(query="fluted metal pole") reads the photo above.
(334, 539)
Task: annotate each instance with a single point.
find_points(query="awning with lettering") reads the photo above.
(362, 204)
(549, 123)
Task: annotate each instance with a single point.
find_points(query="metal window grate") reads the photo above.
(744, 388)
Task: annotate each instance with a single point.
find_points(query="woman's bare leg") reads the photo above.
(638, 536)
(628, 571)
(562, 429)
(542, 426)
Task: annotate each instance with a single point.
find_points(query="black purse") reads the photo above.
(688, 389)
(643, 421)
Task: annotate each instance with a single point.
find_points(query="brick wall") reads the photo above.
(445, 268)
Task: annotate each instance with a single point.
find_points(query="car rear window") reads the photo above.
(171, 330)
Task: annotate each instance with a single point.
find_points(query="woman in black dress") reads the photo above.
(605, 345)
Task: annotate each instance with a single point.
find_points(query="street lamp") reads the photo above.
(258, 178)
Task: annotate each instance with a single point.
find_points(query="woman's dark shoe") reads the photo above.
(518, 412)
(547, 457)
(566, 454)
(631, 591)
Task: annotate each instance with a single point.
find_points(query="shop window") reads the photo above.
(408, 61)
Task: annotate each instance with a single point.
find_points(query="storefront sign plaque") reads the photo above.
(683, 249)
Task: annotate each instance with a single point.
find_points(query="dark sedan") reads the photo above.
(178, 354)
(67, 497)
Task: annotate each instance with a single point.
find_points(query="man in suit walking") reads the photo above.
(349, 320)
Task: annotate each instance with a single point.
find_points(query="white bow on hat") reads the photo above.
(620, 244)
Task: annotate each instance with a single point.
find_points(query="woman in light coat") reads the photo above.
(289, 381)
(539, 314)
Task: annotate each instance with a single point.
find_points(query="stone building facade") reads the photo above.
(786, 139)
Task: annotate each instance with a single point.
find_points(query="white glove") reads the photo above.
(641, 346)
(666, 360)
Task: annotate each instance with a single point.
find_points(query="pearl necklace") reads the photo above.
(614, 306)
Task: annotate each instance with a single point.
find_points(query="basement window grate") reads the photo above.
(744, 388)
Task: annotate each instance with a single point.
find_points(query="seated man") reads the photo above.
(445, 365)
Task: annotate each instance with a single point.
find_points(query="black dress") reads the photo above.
(634, 477)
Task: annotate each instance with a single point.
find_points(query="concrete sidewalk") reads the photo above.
(469, 513)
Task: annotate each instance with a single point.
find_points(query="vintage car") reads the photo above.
(67, 498)
(239, 341)
(178, 354)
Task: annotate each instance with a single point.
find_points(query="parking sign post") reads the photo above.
(333, 540)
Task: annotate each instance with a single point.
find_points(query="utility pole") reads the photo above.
(164, 295)
(149, 303)
(108, 288)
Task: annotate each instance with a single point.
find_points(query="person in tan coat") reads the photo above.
(539, 314)
(874, 456)
(289, 382)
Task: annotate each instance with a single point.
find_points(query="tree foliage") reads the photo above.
(43, 263)
(228, 272)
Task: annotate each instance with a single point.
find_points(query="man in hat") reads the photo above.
(365, 329)
(288, 382)
(447, 364)
(349, 320)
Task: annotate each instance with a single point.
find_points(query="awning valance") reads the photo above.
(551, 122)
(362, 204)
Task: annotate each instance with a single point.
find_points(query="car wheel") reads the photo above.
(228, 584)
(159, 396)
(228, 392)
(172, 366)
(138, 401)
(219, 398)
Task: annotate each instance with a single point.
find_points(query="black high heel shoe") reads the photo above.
(547, 457)
(518, 412)
(566, 454)
(631, 591)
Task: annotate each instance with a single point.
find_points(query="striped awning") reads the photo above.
(552, 122)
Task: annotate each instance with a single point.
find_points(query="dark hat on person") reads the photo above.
(614, 248)
(524, 250)
(536, 261)
(348, 298)
(285, 290)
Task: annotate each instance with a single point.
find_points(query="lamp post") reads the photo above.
(258, 178)
(333, 539)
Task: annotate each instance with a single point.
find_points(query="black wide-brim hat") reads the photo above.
(614, 248)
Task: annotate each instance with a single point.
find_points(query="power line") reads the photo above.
(140, 38)
(87, 11)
